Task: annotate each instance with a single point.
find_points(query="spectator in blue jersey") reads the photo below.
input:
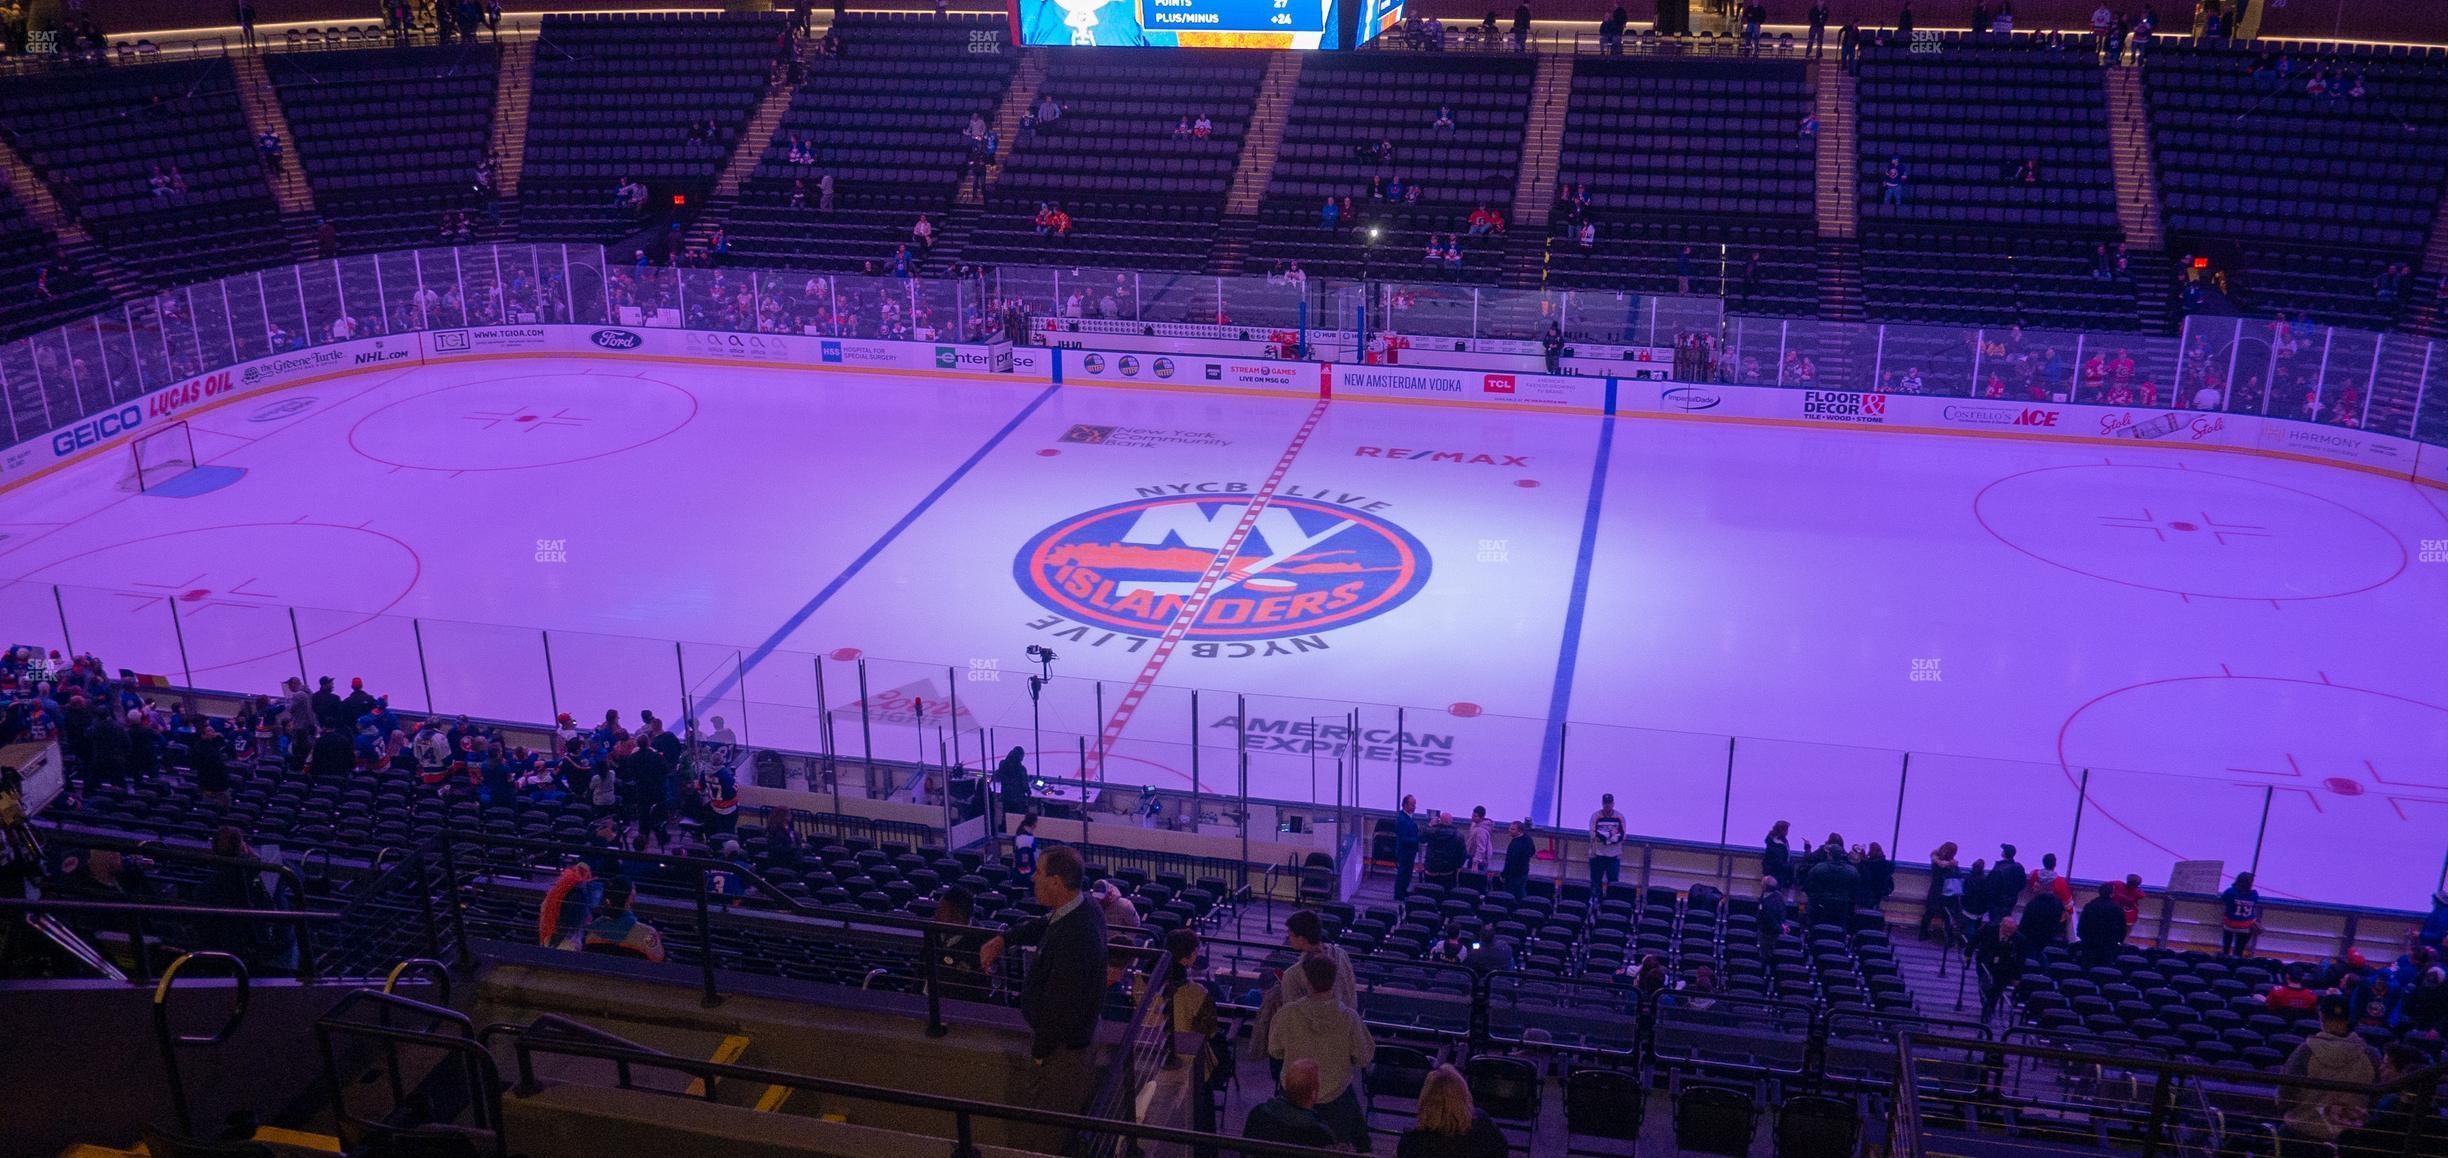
(2435, 927)
(2239, 916)
(617, 930)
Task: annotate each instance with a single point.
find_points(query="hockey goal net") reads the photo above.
(158, 456)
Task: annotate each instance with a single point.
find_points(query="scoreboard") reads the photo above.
(1296, 17)
(1300, 24)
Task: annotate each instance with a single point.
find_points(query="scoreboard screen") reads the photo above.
(1310, 24)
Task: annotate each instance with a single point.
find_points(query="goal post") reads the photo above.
(157, 456)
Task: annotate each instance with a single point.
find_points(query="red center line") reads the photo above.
(1217, 569)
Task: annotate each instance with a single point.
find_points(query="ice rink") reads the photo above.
(2186, 654)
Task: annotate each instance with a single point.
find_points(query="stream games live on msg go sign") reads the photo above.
(1314, 24)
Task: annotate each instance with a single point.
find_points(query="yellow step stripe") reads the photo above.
(733, 1045)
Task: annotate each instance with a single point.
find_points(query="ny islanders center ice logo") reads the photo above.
(1305, 566)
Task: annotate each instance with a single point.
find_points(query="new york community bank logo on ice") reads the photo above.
(1121, 574)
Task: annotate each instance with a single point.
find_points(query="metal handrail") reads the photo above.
(483, 1076)
(932, 934)
(552, 1024)
(169, 1042)
(962, 1109)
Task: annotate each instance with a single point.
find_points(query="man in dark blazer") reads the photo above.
(1065, 986)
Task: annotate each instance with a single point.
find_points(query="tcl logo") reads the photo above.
(2036, 418)
(93, 430)
(1497, 384)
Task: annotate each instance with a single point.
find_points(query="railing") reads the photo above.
(2161, 1106)
(1105, 1134)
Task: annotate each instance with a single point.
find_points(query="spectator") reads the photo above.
(1606, 825)
(569, 905)
(1521, 27)
(1321, 1028)
(1011, 778)
(1771, 913)
(2239, 916)
(1406, 844)
(2291, 995)
(1290, 1117)
(246, 24)
(2392, 1117)
(2045, 878)
(2100, 930)
(1997, 956)
(2044, 918)
(1877, 878)
(1121, 927)
(1480, 840)
(2334, 1054)
(1306, 935)
(824, 193)
(1065, 984)
(956, 950)
(1817, 42)
(1519, 850)
(2129, 896)
(1444, 118)
(1192, 1003)
(923, 233)
(1776, 852)
(1202, 128)
(2005, 884)
(617, 929)
(1489, 954)
(1024, 845)
(1442, 852)
(1831, 886)
(1891, 181)
(1330, 214)
(2435, 926)
(1449, 1125)
(1945, 891)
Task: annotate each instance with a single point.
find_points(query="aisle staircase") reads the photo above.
(755, 137)
(1841, 296)
(2398, 385)
(746, 151)
(1231, 250)
(1017, 100)
(1257, 164)
(1534, 185)
(2137, 182)
(508, 147)
(263, 113)
(77, 248)
(1525, 260)
(1837, 197)
(2423, 299)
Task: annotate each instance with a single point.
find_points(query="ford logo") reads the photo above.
(616, 339)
